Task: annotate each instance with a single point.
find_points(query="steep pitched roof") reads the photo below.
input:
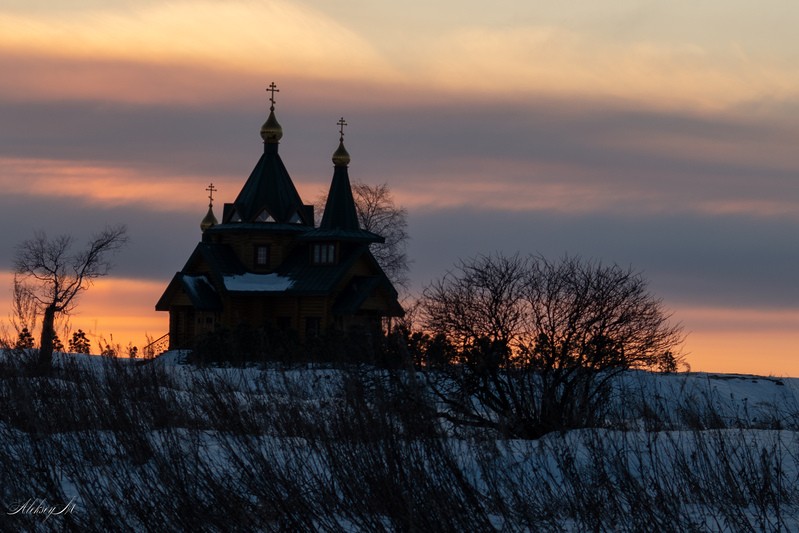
(268, 194)
(340, 210)
(269, 189)
(340, 219)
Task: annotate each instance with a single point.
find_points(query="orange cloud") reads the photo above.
(277, 36)
(37, 75)
(557, 60)
(106, 185)
(115, 47)
(111, 186)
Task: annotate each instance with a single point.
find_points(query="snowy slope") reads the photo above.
(167, 446)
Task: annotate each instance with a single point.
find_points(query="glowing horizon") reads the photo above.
(122, 311)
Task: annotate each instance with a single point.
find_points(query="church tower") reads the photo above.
(269, 194)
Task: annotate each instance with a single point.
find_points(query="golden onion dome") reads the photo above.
(341, 158)
(209, 219)
(271, 131)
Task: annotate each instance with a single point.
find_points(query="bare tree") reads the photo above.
(50, 274)
(537, 342)
(378, 213)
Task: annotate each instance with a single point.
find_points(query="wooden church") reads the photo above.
(267, 264)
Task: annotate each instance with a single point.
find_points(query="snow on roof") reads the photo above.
(258, 282)
(196, 283)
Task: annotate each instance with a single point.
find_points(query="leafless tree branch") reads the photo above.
(48, 273)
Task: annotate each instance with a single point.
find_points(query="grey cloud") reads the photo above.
(159, 242)
(719, 261)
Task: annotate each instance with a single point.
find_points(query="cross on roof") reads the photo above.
(341, 123)
(272, 89)
(211, 190)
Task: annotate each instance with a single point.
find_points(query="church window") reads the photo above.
(324, 253)
(235, 217)
(296, 219)
(261, 255)
(264, 217)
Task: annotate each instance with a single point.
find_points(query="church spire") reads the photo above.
(272, 131)
(209, 220)
(269, 195)
(340, 210)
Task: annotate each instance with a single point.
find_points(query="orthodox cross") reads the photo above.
(341, 123)
(211, 190)
(272, 89)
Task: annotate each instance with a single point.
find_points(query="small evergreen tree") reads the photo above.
(79, 343)
(25, 340)
(58, 346)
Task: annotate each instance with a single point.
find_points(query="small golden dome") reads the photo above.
(209, 220)
(341, 158)
(271, 131)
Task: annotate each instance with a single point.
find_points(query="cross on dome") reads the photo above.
(272, 89)
(341, 123)
(211, 190)
(271, 131)
(209, 220)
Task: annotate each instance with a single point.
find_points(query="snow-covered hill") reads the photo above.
(114, 444)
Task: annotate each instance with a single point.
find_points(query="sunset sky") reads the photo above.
(658, 135)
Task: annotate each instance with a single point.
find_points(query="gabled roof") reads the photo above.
(201, 292)
(269, 189)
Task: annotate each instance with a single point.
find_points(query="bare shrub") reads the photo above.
(537, 342)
